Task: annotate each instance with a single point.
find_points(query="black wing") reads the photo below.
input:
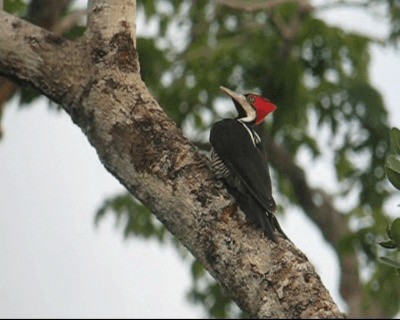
(235, 147)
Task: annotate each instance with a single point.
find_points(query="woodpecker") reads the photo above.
(238, 159)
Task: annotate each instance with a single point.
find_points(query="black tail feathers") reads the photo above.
(257, 215)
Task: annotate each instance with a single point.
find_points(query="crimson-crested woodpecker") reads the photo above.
(237, 157)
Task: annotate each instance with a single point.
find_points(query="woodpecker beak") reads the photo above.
(239, 98)
(247, 112)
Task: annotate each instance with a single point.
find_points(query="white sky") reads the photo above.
(55, 263)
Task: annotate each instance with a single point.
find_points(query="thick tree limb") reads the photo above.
(97, 81)
(320, 209)
(44, 13)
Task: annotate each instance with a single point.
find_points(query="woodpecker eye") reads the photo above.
(250, 99)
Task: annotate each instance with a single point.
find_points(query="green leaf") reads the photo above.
(393, 162)
(395, 232)
(197, 270)
(395, 141)
(75, 32)
(17, 7)
(27, 95)
(388, 244)
(390, 262)
(136, 219)
(392, 169)
(388, 232)
(393, 176)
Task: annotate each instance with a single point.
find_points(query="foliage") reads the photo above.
(394, 15)
(393, 233)
(17, 7)
(138, 220)
(316, 73)
(319, 80)
(392, 168)
(28, 10)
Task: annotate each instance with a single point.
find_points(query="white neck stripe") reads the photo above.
(255, 138)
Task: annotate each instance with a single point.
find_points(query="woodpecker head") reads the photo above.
(252, 108)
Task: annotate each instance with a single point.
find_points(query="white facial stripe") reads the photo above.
(251, 114)
(249, 110)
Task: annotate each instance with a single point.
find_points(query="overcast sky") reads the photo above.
(54, 262)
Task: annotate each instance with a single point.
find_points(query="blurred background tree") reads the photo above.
(318, 76)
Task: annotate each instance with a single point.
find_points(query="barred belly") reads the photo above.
(219, 168)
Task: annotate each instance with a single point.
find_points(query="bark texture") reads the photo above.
(97, 81)
(46, 14)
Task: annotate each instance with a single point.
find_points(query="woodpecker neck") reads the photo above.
(250, 119)
(253, 135)
(246, 112)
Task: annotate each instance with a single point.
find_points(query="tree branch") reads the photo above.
(319, 208)
(25, 53)
(261, 5)
(106, 19)
(44, 13)
(98, 83)
(345, 3)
